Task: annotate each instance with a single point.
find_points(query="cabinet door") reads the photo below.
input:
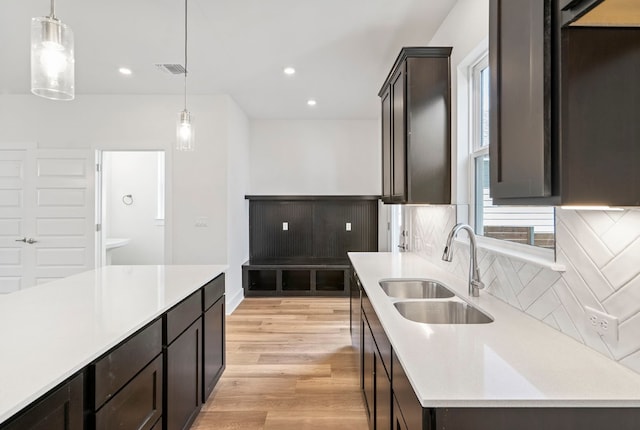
(368, 371)
(355, 306)
(428, 122)
(184, 378)
(60, 410)
(399, 182)
(213, 346)
(520, 36)
(407, 402)
(398, 420)
(600, 111)
(387, 156)
(138, 405)
(383, 397)
(122, 363)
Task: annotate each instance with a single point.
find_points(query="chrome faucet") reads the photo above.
(475, 284)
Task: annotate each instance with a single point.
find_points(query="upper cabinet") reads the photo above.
(565, 103)
(416, 128)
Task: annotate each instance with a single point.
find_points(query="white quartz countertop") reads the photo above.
(51, 331)
(515, 361)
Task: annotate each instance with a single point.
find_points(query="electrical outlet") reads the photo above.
(347, 226)
(285, 226)
(202, 221)
(604, 324)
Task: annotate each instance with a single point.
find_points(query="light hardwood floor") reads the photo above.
(290, 365)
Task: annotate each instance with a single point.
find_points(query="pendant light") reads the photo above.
(185, 138)
(52, 62)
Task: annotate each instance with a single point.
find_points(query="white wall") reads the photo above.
(136, 174)
(237, 206)
(465, 28)
(196, 181)
(306, 157)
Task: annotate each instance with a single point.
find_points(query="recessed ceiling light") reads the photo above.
(311, 102)
(289, 71)
(125, 71)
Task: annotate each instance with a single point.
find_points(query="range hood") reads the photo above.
(601, 13)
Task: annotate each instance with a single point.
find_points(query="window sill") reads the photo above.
(529, 254)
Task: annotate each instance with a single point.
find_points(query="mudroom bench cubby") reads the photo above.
(298, 244)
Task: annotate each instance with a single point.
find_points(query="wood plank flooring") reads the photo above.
(290, 365)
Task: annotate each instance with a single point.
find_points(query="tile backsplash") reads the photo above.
(601, 253)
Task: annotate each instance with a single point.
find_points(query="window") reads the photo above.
(531, 225)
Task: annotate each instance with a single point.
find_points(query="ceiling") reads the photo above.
(341, 49)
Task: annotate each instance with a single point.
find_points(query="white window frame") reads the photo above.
(477, 60)
(475, 150)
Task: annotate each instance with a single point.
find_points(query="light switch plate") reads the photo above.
(285, 226)
(347, 226)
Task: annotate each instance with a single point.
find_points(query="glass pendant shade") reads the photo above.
(52, 61)
(185, 136)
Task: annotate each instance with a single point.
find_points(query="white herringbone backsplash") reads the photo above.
(601, 253)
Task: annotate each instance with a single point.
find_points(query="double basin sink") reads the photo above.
(437, 304)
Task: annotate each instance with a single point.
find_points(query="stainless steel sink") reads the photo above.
(415, 289)
(448, 312)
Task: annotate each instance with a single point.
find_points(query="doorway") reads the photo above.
(130, 206)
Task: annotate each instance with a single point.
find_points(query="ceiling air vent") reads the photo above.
(172, 69)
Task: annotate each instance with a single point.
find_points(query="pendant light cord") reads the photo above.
(185, 55)
(53, 9)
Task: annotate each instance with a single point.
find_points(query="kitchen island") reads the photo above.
(53, 332)
(462, 373)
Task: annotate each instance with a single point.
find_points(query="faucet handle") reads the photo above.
(477, 284)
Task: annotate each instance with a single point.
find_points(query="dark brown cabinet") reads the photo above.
(138, 405)
(521, 120)
(376, 384)
(183, 363)
(62, 409)
(184, 378)
(387, 156)
(376, 369)
(213, 339)
(383, 396)
(398, 135)
(355, 308)
(128, 382)
(408, 413)
(391, 402)
(416, 127)
(398, 420)
(368, 372)
(298, 245)
(156, 379)
(564, 103)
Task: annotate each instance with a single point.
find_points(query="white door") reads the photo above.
(64, 213)
(13, 218)
(56, 217)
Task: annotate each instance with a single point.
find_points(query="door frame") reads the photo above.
(168, 212)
